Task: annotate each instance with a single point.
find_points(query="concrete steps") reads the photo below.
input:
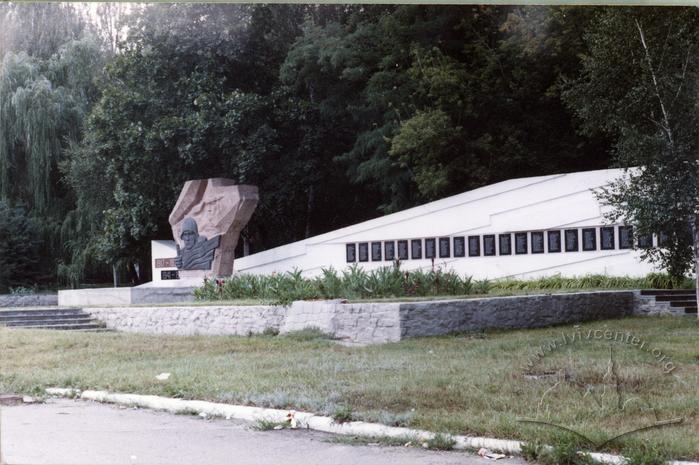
(680, 299)
(59, 318)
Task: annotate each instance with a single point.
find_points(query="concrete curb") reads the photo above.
(304, 420)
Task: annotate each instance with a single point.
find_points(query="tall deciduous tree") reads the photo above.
(639, 85)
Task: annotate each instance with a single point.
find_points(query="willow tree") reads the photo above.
(43, 103)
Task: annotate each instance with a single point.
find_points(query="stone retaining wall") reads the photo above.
(374, 323)
(29, 300)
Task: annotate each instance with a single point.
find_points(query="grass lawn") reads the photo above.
(475, 384)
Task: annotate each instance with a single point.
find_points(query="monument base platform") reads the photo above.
(179, 291)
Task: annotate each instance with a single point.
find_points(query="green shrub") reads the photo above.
(646, 455)
(441, 442)
(19, 248)
(343, 414)
(531, 451)
(390, 282)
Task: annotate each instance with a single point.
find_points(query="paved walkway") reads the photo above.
(79, 432)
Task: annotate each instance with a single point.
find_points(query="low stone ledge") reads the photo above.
(28, 300)
(374, 323)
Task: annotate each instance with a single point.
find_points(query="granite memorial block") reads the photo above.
(625, 237)
(521, 243)
(645, 241)
(430, 248)
(402, 250)
(474, 246)
(554, 241)
(505, 244)
(537, 241)
(389, 250)
(459, 246)
(571, 236)
(376, 251)
(351, 252)
(206, 223)
(416, 249)
(589, 239)
(606, 238)
(444, 247)
(363, 251)
(489, 245)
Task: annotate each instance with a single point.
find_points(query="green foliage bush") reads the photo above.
(391, 282)
(19, 248)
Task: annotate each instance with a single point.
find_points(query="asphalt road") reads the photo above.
(79, 432)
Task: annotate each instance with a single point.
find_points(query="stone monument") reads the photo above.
(206, 223)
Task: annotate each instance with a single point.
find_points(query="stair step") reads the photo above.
(48, 321)
(690, 310)
(5, 314)
(60, 316)
(68, 326)
(669, 298)
(683, 303)
(667, 291)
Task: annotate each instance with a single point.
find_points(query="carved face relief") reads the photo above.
(190, 239)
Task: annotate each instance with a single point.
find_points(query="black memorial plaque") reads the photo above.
(416, 249)
(606, 238)
(351, 253)
(520, 243)
(554, 239)
(389, 250)
(505, 244)
(376, 251)
(444, 247)
(489, 245)
(474, 246)
(625, 237)
(572, 240)
(363, 251)
(430, 248)
(589, 239)
(537, 242)
(169, 274)
(645, 241)
(663, 239)
(459, 246)
(402, 250)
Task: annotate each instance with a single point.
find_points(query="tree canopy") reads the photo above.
(339, 113)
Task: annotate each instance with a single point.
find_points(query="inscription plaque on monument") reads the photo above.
(363, 251)
(430, 248)
(459, 246)
(537, 242)
(505, 244)
(606, 238)
(376, 251)
(444, 247)
(589, 239)
(520, 243)
(165, 263)
(389, 250)
(351, 253)
(625, 237)
(489, 244)
(474, 246)
(572, 240)
(402, 250)
(416, 249)
(663, 239)
(554, 238)
(645, 241)
(169, 274)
